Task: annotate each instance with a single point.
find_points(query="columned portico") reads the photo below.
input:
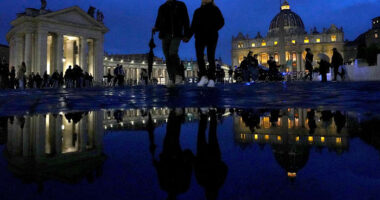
(52, 41)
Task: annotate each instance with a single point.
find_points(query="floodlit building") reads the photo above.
(287, 40)
(53, 40)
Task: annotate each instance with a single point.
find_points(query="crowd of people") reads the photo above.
(73, 78)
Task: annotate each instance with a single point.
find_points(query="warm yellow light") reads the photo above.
(297, 138)
(263, 44)
(310, 139)
(63, 127)
(339, 140)
(318, 40)
(256, 137)
(293, 42)
(266, 137)
(292, 174)
(333, 38)
(279, 138)
(322, 139)
(240, 45)
(253, 44)
(275, 42)
(266, 122)
(376, 35)
(306, 41)
(285, 7)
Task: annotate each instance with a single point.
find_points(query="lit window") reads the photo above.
(266, 137)
(253, 44)
(294, 57)
(263, 44)
(275, 42)
(323, 139)
(376, 35)
(240, 45)
(339, 140)
(310, 139)
(279, 138)
(256, 137)
(297, 138)
(333, 38)
(293, 42)
(306, 41)
(318, 40)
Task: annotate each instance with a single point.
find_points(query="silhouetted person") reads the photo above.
(21, 76)
(340, 121)
(336, 62)
(230, 75)
(4, 74)
(12, 78)
(210, 170)
(109, 78)
(311, 121)
(150, 128)
(38, 80)
(69, 77)
(273, 71)
(31, 80)
(175, 165)
(326, 118)
(309, 63)
(118, 115)
(45, 80)
(324, 68)
(244, 69)
(173, 24)
(207, 21)
(251, 119)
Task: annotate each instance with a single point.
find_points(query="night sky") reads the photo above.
(130, 21)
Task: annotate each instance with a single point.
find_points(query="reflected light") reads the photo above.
(279, 138)
(256, 137)
(292, 174)
(297, 138)
(310, 139)
(323, 139)
(266, 137)
(63, 127)
(339, 140)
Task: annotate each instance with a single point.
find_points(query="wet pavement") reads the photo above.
(298, 141)
(358, 96)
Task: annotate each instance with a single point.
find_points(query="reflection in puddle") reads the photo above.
(68, 147)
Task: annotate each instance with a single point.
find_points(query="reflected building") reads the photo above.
(291, 133)
(66, 148)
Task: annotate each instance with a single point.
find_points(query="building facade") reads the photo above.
(4, 53)
(49, 41)
(286, 41)
(133, 64)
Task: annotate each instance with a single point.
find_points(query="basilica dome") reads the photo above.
(291, 22)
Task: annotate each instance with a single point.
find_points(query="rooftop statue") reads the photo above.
(43, 4)
(99, 16)
(91, 11)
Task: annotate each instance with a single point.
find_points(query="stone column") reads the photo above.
(84, 54)
(59, 53)
(28, 52)
(19, 53)
(40, 136)
(299, 63)
(41, 52)
(99, 54)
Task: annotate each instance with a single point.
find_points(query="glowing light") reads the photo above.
(376, 35)
(306, 41)
(333, 38)
(297, 138)
(143, 121)
(292, 174)
(155, 121)
(122, 60)
(279, 138)
(310, 139)
(121, 123)
(275, 42)
(63, 127)
(318, 40)
(323, 139)
(132, 61)
(105, 127)
(132, 122)
(263, 44)
(256, 137)
(63, 59)
(338, 140)
(266, 137)
(111, 126)
(293, 42)
(253, 45)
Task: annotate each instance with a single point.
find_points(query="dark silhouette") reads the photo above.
(91, 11)
(210, 170)
(207, 21)
(309, 63)
(173, 23)
(340, 121)
(43, 4)
(324, 68)
(152, 45)
(12, 78)
(4, 74)
(174, 168)
(336, 62)
(311, 121)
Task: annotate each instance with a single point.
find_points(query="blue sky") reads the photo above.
(130, 21)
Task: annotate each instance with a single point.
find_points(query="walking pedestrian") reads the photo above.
(324, 68)
(12, 78)
(173, 23)
(21, 76)
(336, 62)
(309, 64)
(207, 21)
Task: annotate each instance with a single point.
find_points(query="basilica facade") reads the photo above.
(286, 41)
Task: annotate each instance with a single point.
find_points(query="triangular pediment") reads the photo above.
(73, 15)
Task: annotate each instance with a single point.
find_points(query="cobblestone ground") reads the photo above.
(351, 96)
